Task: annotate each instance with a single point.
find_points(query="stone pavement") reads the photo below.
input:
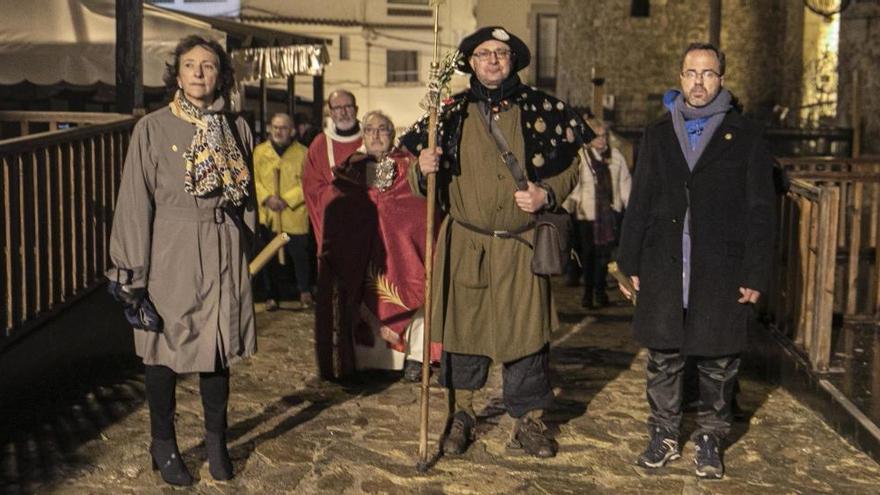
(287, 437)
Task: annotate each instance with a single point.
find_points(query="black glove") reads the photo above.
(138, 309)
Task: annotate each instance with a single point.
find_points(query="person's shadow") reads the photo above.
(243, 438)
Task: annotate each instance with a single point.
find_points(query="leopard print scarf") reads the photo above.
(213, 160)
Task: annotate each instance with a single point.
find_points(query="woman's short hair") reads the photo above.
(382, 115)
(225, 78)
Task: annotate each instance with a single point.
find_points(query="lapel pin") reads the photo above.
(173, 147)
(728, 136)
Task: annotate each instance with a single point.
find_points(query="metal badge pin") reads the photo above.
(728, 136)
(173, 147)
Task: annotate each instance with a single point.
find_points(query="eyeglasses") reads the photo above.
(501, 54)
(343, 108)
(706, 75)
(381, 130)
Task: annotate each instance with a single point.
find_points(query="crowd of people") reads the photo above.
(692, 228)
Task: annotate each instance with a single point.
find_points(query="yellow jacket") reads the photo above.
(294, 218)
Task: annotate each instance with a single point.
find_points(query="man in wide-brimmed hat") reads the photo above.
(488, 305)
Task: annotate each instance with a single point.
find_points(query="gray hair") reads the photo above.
(382, 115)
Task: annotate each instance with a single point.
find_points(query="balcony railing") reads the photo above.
(58, 190)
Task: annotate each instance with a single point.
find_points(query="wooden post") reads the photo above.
(129, 58)
(264, 118)
(856, 115)
(820, 347)
(855, 244)
(318, 101)
(804, 227)
(598, 94)
(291, 96)
(715, 22)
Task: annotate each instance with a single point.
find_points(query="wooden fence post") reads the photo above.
(820, 346)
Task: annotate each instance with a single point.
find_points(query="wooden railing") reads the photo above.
(828, 249)
(58, 191)
(804, 294)
(52, 121)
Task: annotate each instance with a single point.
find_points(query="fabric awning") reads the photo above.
(279, 62)
(74, 41)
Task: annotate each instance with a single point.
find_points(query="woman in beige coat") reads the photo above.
(178, 245)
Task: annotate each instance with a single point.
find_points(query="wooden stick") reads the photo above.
(266, 254)
(624, 281)
(422, 465)
(278, 229)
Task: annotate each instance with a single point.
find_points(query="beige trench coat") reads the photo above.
(486, 301)
(194, 269)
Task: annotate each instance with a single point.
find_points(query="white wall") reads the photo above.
(365, 73)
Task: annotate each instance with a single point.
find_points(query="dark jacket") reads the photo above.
(731, 194)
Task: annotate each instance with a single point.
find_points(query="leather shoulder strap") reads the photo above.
(507, 156)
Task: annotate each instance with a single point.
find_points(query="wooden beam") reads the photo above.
(318, 101)
(715, 22)
(129, 55)
(291, 96)
(264, 104)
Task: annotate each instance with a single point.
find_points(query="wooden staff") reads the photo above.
(623, 280)
(422, 465)
(278, 229)
(266, 254)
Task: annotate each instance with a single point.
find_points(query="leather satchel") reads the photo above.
(550, 246)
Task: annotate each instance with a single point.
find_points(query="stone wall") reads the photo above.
(860, 49)
(639, 56)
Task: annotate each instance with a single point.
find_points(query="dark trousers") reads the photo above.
(297, 251)
(161, 385)
(665, 390)
(594, 259)
(526, 381)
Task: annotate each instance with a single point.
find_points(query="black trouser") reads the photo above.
(161, 385)
(665, 390)
(526, 381)
(297, 251)
(594, 259)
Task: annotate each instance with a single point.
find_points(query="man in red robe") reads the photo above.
(373, 277)
(330, 148)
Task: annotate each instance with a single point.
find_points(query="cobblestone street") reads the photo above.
(287, 437)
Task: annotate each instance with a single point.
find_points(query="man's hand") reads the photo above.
(748, 296)
(275, 203)
(429, 160)
(627, 294)
(532, 199)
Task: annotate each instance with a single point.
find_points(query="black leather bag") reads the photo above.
(550, 245)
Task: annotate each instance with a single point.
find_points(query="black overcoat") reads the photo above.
(732, 205)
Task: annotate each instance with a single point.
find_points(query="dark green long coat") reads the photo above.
(486, 300)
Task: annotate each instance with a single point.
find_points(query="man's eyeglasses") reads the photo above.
(343, 108)
(500, 54)
(706, 75)
(382, 130)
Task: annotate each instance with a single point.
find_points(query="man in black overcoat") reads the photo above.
(697, 242)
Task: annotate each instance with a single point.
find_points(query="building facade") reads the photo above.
(380, 50)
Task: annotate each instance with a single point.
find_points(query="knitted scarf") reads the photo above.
(713, 113)
(213, 159)
(603, 226)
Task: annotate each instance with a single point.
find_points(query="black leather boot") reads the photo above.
(167, 459)
(219, 463)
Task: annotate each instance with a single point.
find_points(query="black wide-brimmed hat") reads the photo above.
(521, 54)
